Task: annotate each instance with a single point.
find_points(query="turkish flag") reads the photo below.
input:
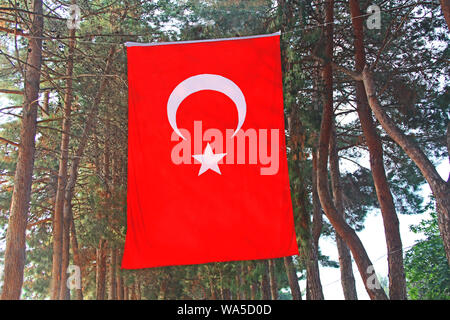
(207, 169)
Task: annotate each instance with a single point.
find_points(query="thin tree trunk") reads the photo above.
(313, 285)
(20, 202)
(226, 294)
(138, 289)
(64, 291)
(273, 280)
(61, 223)
(308, 247)
(119, 280)
(101, 270)
(238, 286)
(345, 259)
(112, 274)
(163, 289)
(244, 287)
(126, 293)
(292, 278)
(89, 127)
(439, 187)
(265, 284)
(212, 289)
(73, 171)
(342, 228)
(397, 281)
(133, 291)
(76, 258)
(253, 283)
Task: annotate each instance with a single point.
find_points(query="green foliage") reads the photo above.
(427, 269)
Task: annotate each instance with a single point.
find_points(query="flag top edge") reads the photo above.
(138, 44)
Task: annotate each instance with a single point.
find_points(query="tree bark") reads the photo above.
(61, 225)
(292, 278)
(20, 202)
(313, 285)
(273, 280)
(265, 284)
(243, 285)
(163, 289)
(397, 281)
(76, 258)
(445, 7)
(138, 289)
(253, 283)
(342, 228)
(439, 187)
(73, 171)
(119, 280)
(101, 270)
(64, 292)
(112, 274)
(212, 289)
(238, 285)
(133, 291)
(126, 293)
(345, 259)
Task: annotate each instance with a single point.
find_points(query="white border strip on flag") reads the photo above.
(138, 44)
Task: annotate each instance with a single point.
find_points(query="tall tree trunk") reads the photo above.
(163, 288)
(61, 223)
(101, 270)
(73, 171)
(243, 285)
(76, 258)
(265, 284)
(273, 280)
(342, 228)
(222, 287)
(238, 285)
(345, 259)
(133, 291)
(112, 274)
(119, 280)
(439, 187)
(138, 289)
(292, 278)
(20, 203)
(126, 295)
(397, 282)
(313, 284)
(445, 7)
(226, 294)
(253, 283)
(212, 288)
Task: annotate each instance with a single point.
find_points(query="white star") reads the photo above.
(209, 160)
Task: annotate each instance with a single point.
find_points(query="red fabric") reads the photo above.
(175, 216)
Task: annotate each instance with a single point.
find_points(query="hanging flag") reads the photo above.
(207, 169)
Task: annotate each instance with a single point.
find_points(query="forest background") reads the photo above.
(368, 134)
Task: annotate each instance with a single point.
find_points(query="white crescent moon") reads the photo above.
(205, 82)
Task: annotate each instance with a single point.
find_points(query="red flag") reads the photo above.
(207, 168)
